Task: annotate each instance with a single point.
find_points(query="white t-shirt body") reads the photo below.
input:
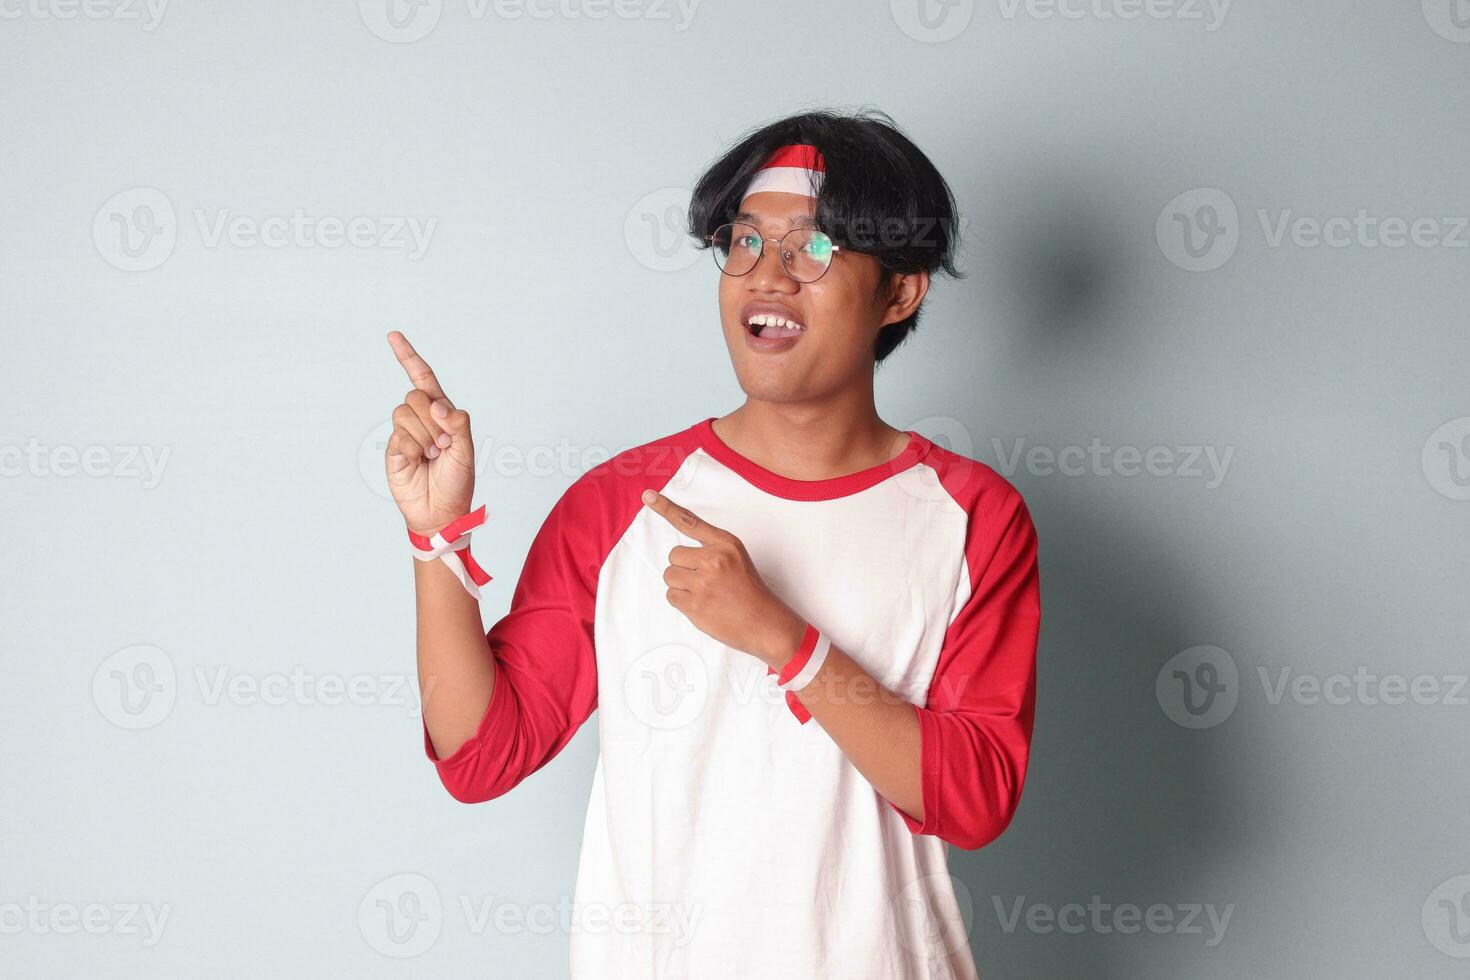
(723, 836)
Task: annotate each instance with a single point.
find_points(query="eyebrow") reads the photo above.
(803, 221)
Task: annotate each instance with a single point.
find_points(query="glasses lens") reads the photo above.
(807, 254)
(736, 247)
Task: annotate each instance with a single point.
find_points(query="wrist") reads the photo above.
(783, 640)
(451, 544)
(429, 530)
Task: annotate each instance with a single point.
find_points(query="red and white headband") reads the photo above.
(795, 169)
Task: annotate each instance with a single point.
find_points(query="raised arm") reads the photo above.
(431, 474)
(499, 705)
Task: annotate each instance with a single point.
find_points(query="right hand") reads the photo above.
(430, 458)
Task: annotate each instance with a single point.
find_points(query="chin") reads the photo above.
(767, 393)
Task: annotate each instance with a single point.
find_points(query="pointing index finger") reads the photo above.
(416, 367)
(682, 520)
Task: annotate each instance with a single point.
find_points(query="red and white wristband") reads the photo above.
(452, 543)
(802, 668)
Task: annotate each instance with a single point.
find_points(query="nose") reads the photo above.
(769, 276)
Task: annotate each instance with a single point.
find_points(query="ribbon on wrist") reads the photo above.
(802, 668)
(452, 543)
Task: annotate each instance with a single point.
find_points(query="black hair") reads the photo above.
(881, 196)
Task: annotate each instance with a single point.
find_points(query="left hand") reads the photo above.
(718, 588)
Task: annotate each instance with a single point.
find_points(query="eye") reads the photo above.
(818, 247)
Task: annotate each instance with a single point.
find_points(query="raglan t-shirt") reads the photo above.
(724, 837)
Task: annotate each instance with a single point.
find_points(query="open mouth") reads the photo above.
(772, 326)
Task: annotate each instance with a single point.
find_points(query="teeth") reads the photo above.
(771, 319)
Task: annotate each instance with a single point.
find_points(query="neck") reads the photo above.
(812, 440)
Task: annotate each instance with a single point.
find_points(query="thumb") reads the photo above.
(455, 422)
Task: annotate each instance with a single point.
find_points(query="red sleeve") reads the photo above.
(545, 658)
(975, 726)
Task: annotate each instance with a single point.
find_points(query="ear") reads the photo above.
(905, 292)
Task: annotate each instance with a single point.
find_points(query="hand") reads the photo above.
(718, 588)
(430, 458)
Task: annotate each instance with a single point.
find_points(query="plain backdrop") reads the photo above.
(1213, 327)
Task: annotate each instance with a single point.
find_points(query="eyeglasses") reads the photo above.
(805, 253)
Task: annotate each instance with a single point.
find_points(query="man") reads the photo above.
(811, 635)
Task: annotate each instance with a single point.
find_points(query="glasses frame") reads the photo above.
(781, 251)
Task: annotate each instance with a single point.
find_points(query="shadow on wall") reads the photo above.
(1120, 802)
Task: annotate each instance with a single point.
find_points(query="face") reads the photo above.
(839, 315)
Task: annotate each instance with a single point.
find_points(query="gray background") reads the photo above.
(552, 154)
